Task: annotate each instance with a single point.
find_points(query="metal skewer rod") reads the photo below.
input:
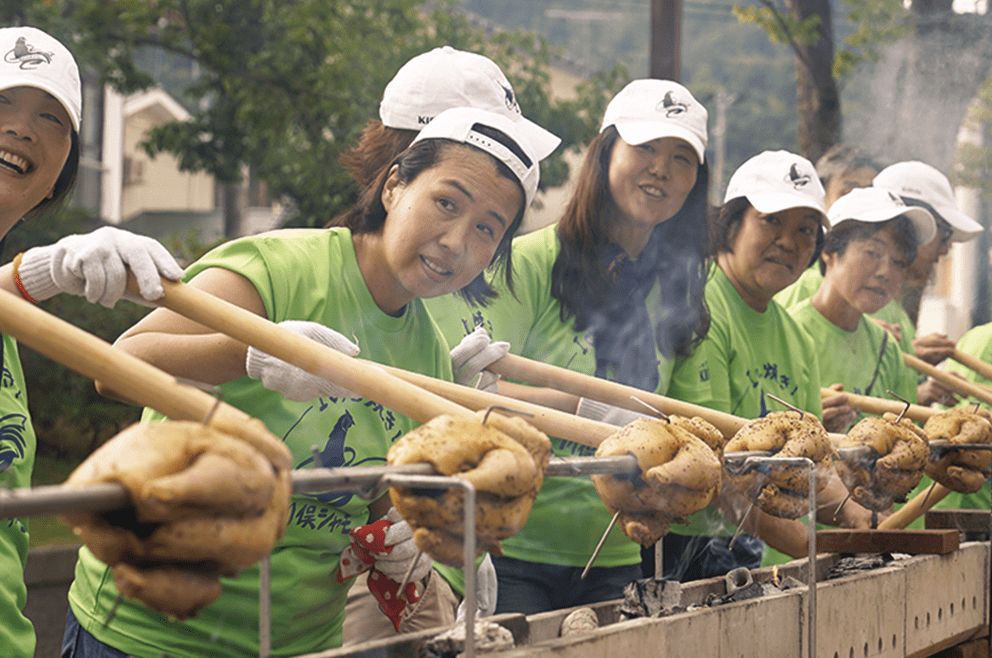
(599, 546)
(95, 498)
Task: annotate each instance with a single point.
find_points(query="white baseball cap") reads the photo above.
(444, 78)
(773, 181)
(32, 58)
(649, 109)
(874, 204)
(919, 181)
(459, 123)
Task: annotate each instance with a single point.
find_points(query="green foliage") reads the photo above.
(973, 164)
(782, 28)
(286, 87)
(877, 23)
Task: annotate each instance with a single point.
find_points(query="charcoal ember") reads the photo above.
(648, 597)
(791, 583)
(858, 563)
(580, 620)
(752, 591)
(450, 644)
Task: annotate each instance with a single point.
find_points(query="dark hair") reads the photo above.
(579, 280)
(63, 184)
(376, 149)
(727, 223)
(841, 158)
(369, 215)
(839, 237)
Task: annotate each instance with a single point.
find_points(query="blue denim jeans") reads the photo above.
(531, 587)
(78, 643)
(690, 557)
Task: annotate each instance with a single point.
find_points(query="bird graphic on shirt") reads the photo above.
(335, 454)
(12, 442)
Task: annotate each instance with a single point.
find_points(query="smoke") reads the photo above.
(910, 104)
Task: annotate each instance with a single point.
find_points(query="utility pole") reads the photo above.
(666, 39)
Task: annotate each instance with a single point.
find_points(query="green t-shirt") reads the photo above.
(745, 356)
(851, 357)
(17, 451)
(893, 312)
(300, 275)
(568, 518)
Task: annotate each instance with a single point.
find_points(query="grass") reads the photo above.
(47, 530)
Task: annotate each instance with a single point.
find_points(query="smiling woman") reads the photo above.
(40, 106)
(767, 232)
(614, 289)
(441, 212)
(872, 239)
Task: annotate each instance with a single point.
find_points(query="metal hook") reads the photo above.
(215, 391)
(846, 498)
(660, 413)
(786, 404)
(113, 610)
(599, 546)
(406, 576)
(740, 527)
(899, 397)
(508, 410)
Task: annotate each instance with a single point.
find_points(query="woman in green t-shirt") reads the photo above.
(872, 240)
(615, 290)
(440, 214)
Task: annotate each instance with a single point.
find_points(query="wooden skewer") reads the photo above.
(914, 509)
(879, 406)
(143, 383)
(973, 362)
(521, 368)
(414, 395)
(962, 386)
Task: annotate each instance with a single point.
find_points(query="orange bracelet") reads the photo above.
(17, 279)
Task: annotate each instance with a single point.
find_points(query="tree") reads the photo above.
(286, 85)
(927, 63)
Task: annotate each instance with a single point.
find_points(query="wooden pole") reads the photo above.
(974, 363)
(879, 406)
(960, 385)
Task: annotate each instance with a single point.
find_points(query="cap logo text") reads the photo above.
(26, 56)
(671, 106)
(896, 200)
(423, 121)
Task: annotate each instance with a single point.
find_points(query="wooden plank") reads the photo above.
(963, 520)
(913, 542)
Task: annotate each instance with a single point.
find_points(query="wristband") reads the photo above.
(17, 279)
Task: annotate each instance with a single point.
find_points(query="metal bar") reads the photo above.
(442, 482)
(811, 562)
(265, 607)
(94, 498)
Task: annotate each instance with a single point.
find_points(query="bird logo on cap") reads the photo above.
(671, 107)
(27, 56)
(511, 100)
(797, 179)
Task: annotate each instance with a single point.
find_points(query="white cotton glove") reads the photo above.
(295, 383)
(94, 265)
(485, 591)
(606, 413)
(473, 355)
(397, 562)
